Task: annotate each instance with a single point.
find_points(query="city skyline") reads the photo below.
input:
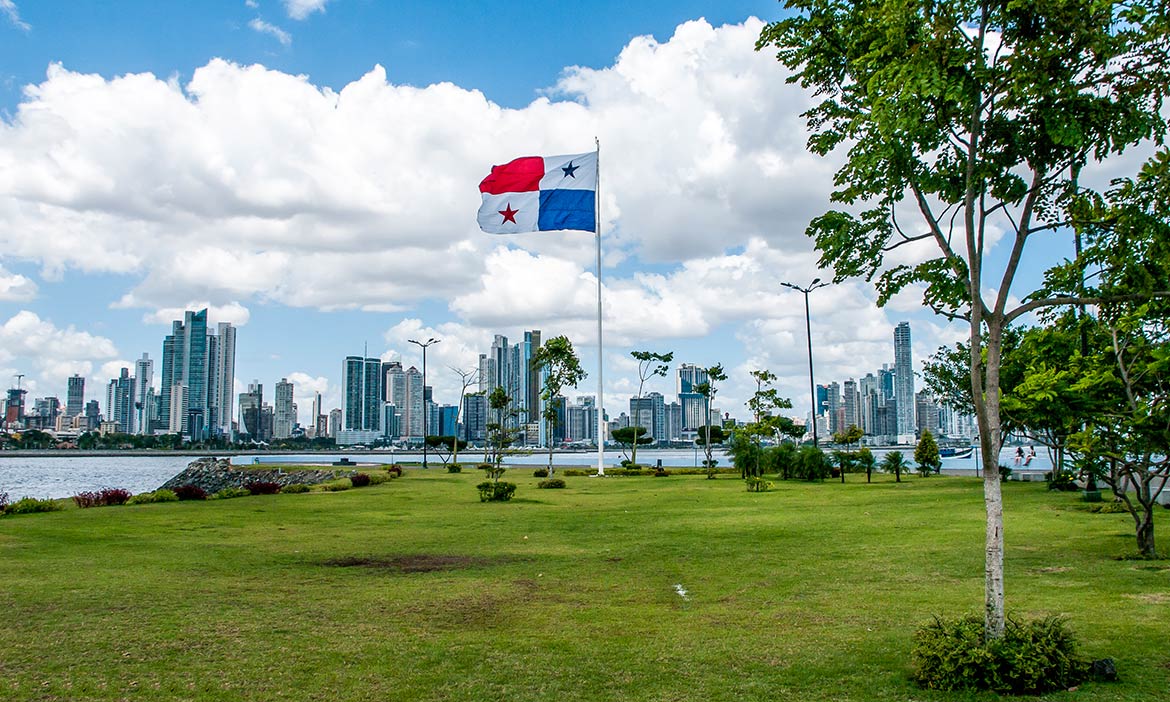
(298, 192)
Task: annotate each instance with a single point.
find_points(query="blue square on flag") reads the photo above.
(567, 209)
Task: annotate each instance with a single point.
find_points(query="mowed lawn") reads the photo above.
(414, 590)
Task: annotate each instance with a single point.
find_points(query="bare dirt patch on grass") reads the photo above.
(414, 563)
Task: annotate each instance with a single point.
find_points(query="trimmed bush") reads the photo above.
(551, 484)
(578, 472)
(190, 492)
(661, 473)
(359, 480)
(495, 491)
(263, 487)
(1063, 480)
(758, 485)
(101, 498)
(540, 473)
(85, 500)
(31, 505)
(454, 468)
(115, 496)
(229, 492)
(395, 470)
(377, 478)
(1032, 657)
(146, 498)
(338, 487)
(296, 489)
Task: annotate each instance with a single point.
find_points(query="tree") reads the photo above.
(631, 437)
(561, 367)
(867, 462)
(895, 463)
(763, 403)
(650, 364)
(707, 389)
(467, 378)
(707, 437)
(970, 117)
(500, 437)
(926, 454)
(445, 446)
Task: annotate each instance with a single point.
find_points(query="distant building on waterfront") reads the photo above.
(904, 383)
(75, 396)
(204, 364)
(284, 414)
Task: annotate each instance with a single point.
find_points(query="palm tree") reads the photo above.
(895, 463)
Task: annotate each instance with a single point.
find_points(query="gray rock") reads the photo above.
(214, 474)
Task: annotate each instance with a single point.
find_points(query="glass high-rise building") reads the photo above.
(204, 365)
(363, 394)
(904, 381)
(283, 418)
(75, 397)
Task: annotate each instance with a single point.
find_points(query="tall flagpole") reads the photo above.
(600, 345)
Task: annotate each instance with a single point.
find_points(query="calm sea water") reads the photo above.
(63, 476)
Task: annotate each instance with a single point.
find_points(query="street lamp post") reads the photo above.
(423, 345)
(812, 388)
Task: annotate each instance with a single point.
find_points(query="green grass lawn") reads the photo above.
(414, 590)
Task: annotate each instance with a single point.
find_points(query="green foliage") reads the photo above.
(926, 454)
(375, 479)
(551, 484)
(866, 462)
(337, 486)
(31, 505)
(631, 436)
(229, 492)
(190, 492)
(301, 488)
(540, 473)
(811, 464)
(558, 363)
(650, 364)
(1064, 481)
(454, 468)
(755, 484)
(849, 436)
(359, 480)
(895, 463)
(495, 491)
(145, 498)
(1031, 658)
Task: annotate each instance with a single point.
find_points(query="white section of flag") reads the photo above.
(584, 169)
(527, 206)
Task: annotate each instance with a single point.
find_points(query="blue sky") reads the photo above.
(309, 169)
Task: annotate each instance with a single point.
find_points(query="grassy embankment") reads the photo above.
(413, 590)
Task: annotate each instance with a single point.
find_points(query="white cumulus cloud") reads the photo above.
(300, 9)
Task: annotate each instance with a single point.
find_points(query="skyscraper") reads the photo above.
(143, 394)
(412, 417)
(120, 401)
(904, 382)
(649, 412)
(283, 418)
(363, 394)
(225, 377)
(205, 366)
(251, 407)
(75, 398)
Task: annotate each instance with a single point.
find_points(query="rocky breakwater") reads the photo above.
(214, 474)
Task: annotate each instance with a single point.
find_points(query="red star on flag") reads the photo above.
(509, 213)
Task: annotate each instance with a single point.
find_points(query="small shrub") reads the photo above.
(490, 491)
(85, 500)
(551, 484)
(577, 472)
(3, 502)
(263, 487)
(31, 505)
(396, 470)
(1063, 480)
(229, 492)
(379, 478)
(454, 468)
(661, 473)
(540, 473)
(114, 496)
(1031, 658)
(359, 480)
(295, 489)
(338, 486)
(190, 492)
(758, 485)
(1004, 473)
(1113, 507)
(146, 498)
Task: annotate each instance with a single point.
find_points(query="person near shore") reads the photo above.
(1019, 454)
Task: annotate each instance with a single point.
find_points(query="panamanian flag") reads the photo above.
(540, 194)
